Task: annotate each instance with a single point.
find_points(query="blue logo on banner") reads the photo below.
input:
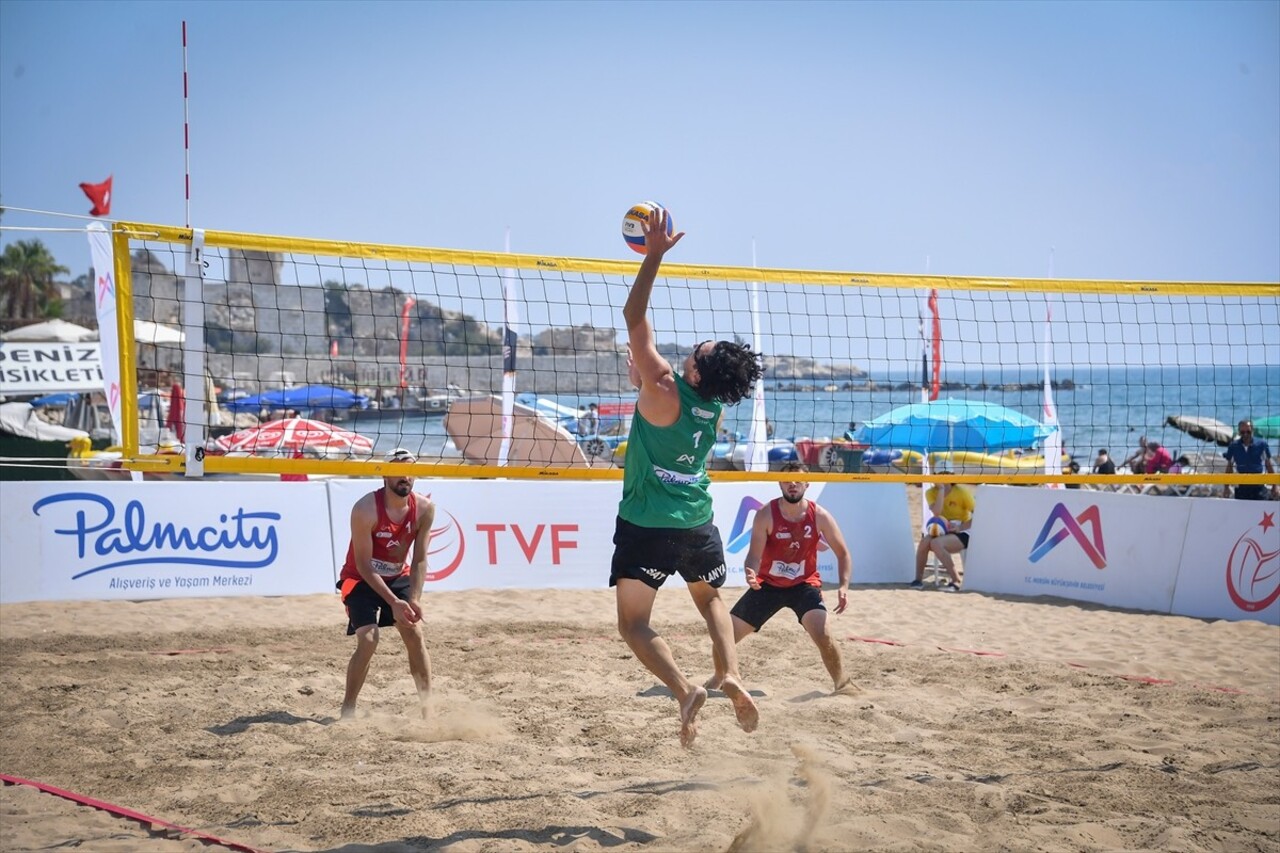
(239, 540)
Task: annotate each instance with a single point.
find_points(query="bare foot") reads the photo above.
(714, 682)
(347, 713)
(688, 713)
(744, 707)
(846, 687)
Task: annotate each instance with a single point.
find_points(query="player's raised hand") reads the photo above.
(656, 239)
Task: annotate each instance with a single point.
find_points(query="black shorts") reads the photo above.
(757, 606)
(651, 554)
(1252, 492)
(963, 536)
(366, 607)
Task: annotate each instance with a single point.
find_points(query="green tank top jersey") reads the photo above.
(665, 482)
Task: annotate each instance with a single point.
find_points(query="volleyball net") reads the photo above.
(302, 357)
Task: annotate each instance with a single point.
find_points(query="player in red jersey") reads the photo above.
(782, 571)
(380, 586)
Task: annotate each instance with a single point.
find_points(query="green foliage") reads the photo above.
(27, 289)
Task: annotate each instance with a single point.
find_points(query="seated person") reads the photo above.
(1073, 468)
(849, 433)
(1137, 459)
(1157, 459)
(953, 503)
(1103, 464)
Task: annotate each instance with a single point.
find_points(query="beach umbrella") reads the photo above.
(302, 398)
(1205, 429)
(1267, 427)
(475, 425)
(59, 331)
(297, 435)
(952, 424)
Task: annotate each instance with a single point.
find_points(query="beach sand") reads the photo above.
(547, 734)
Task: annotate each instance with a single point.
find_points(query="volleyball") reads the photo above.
(632, 224)
(935, 526)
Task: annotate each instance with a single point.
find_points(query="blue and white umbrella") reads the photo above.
(953, 425)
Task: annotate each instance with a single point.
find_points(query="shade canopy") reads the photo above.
(952, 425)
(1205, 429)
(146, 332)
(306, 397)
(59, 331)
(297, 435)
(475, 425)
(1267, 427)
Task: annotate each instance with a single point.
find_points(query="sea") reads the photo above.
(1099, 407)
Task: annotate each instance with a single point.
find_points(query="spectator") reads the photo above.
(1157, 459)
(588, 420)
(1137, 460)
(1249, 455)
(1073, 468)
(954, 504)
(1103, 463)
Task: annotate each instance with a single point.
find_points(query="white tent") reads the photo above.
(146, 332)
(51, 330)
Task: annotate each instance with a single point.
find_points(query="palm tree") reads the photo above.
(27, 291)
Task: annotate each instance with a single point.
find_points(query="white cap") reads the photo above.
(401, 455)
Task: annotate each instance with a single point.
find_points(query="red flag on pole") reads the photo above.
(404, 338)
(100, 195)
(936, 384)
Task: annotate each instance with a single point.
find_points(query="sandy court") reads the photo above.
(218, 714)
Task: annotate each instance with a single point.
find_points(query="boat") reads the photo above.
(895, 461)
(436, 401)
(28, 441)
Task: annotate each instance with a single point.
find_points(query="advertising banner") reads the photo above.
(49, 368)
(1120, 550)
(531, 535)
(1231, 563)
(64, 541)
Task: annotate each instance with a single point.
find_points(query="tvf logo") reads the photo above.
(1253, 573)
(448, 544)
(740, 533)
(1061, 524)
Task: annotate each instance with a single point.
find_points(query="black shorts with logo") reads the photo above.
(366, 607)
(651, 554)
(757, 606)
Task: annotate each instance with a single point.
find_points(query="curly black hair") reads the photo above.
(728, 373)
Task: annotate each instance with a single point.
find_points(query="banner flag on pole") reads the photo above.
(756, 453)
(409, 302)
(510, 340)
(1053, 441)
(935, 384)
(104, 297)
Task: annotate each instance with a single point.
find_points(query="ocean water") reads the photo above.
(1109, 407)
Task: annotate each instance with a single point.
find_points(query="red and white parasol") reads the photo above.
(294, 435)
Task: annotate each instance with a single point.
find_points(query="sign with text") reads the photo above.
(529, 535)
(162, 540)
(48, 368)
(1119, 550)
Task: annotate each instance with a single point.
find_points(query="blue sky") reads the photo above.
(1131, 140)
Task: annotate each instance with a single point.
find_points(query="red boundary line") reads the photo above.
(1143, 679)
(120, 811)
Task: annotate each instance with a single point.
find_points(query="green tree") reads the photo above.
(27, 290)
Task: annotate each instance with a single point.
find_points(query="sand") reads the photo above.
(219, 715)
